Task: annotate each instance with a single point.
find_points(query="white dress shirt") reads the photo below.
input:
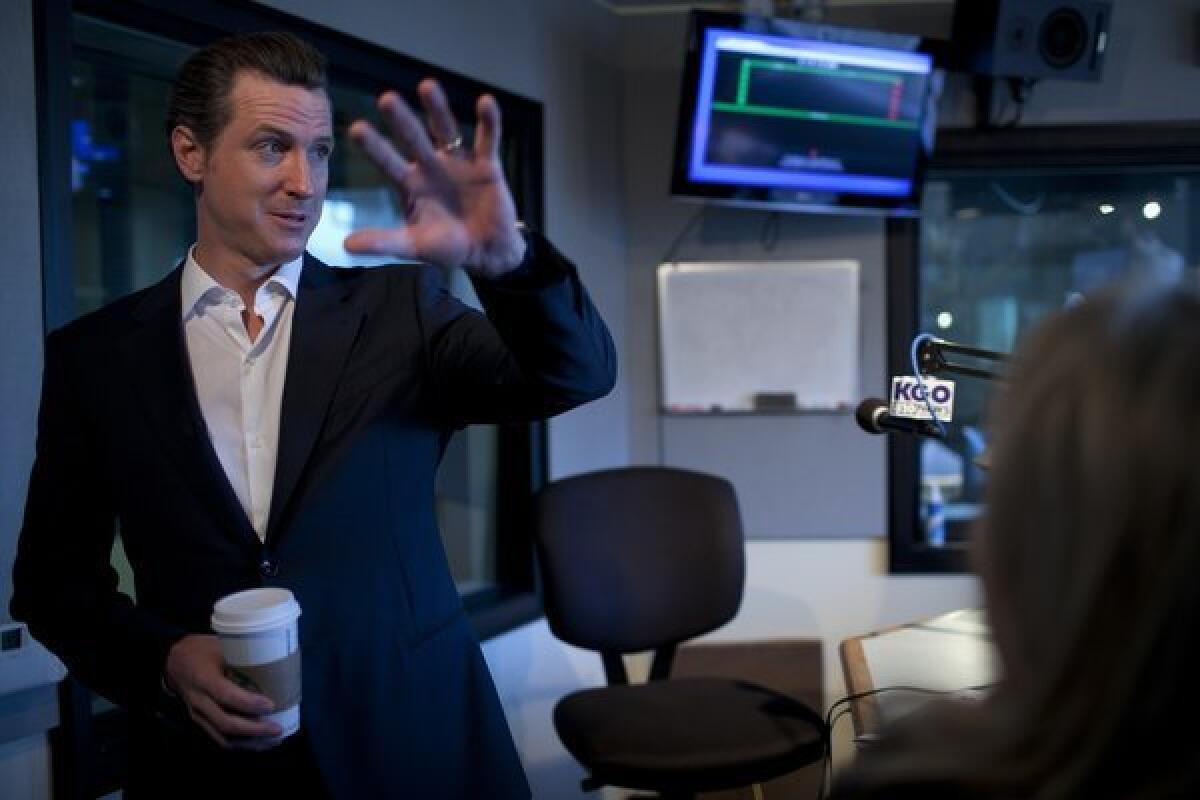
(239, 383)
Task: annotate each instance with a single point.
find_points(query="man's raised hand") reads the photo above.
(457, 207)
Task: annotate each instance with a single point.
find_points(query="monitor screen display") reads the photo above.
(803, 117)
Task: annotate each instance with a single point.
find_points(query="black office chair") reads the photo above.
(644, 558)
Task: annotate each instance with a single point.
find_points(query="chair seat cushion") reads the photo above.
(688, 734)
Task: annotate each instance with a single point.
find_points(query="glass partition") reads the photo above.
(1009, 233)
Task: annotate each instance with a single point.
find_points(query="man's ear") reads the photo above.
(189, 153)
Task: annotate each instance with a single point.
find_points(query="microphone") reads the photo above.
(873, 417)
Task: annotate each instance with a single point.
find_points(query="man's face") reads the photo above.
(263, 179)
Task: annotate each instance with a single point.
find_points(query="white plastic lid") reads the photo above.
(254, 611)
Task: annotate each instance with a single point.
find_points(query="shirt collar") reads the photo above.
(196, 284)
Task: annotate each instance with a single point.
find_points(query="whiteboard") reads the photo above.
(731, 330)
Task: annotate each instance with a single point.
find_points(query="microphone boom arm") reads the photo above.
(931, 357)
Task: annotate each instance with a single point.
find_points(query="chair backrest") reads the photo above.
(638, 558)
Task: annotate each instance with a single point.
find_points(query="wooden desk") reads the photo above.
(949, 652)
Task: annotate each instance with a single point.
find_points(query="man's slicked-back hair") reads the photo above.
(200, 94)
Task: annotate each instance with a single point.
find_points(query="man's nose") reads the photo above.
(298, 180)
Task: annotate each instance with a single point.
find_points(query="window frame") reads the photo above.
(1132, 144)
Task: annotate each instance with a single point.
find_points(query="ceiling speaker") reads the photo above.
(1063, 39)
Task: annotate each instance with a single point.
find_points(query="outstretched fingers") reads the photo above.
(487, 127)
(380, 151)
(381, 241)
(442, 124)
(407, 130)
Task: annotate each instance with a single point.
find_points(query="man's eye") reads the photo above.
(323, 151)
(272, 146)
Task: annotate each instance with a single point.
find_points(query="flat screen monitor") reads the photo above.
(792, 116)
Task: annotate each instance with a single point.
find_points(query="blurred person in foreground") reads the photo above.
(1089, 556)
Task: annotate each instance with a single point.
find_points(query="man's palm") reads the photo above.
(458, 210)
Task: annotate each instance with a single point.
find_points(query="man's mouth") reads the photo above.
(292, 219)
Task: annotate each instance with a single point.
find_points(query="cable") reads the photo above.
(1027, 209)
(831, 720)
(982, 90)
(987, 116)
(1020, 90)
(916, 344)
(826, 784)
(770, 231)
(666, 259)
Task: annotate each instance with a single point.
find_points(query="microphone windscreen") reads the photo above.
(867, 414)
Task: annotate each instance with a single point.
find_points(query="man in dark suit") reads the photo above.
(259, 419)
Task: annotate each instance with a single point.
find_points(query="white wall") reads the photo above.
(21, 297)
(24, 763)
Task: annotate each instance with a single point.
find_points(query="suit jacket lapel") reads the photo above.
(157, 357)
(325, 325)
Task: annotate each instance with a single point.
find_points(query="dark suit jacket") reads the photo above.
(384, 365)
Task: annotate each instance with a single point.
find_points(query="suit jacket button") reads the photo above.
(268, 568)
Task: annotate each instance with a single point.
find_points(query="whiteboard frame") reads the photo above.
(840, 393)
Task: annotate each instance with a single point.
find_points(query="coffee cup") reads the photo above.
(260, 642)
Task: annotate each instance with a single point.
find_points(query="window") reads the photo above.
(1014, 225)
